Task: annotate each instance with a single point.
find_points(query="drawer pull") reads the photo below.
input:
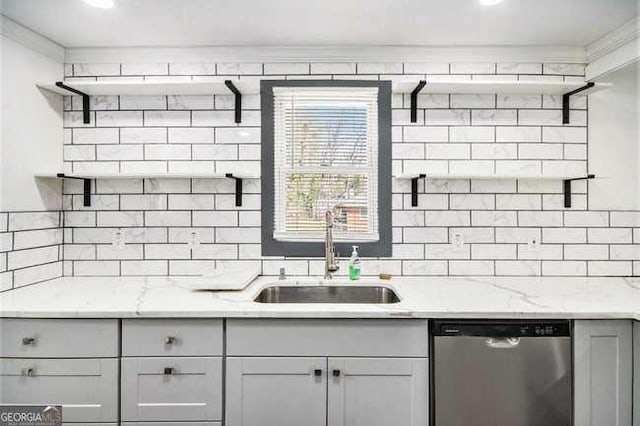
(169, 340)
(317, 372)
(336, 373)
(168, 371)
(28, 340)
(28, 372)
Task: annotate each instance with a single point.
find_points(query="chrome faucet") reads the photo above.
(331, 259)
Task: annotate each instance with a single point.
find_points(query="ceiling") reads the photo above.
(73, 23)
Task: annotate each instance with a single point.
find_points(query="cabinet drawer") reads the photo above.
(86, 388)
(171, 389)
(171, 424)
(58, 338)
(171, 337)
(328, 337)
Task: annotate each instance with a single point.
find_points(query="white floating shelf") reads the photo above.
(153, 87)
(454, 176)
(504, 87)
(87, 177)
(566, 181)
(146, 176)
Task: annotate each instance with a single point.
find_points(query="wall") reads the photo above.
(30, 143)
(613, 119)
(507, 227)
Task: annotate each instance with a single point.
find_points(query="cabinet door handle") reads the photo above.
(169, 340)
(28, 371)
(28, 340)
(168, 371)
(317, 372)
(336, 373)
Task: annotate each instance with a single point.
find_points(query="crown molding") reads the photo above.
(28, 38)
(550, 54)
(615, 50)
(614, 40)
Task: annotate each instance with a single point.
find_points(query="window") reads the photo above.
(326, 146)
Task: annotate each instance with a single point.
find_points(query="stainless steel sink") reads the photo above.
(327, 294)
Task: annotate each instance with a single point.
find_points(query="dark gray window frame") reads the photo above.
(272, 247)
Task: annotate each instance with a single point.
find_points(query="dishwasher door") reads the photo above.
(502, 374)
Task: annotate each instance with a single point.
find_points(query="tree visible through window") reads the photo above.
(325, 158)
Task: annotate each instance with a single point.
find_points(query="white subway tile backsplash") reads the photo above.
(95, 136)
(473, 68)
(472, 134)
(142, 135)
(119, 118)
(447, 117)
(224, 68)
(519, 68)
(494, 117)
(167, 118)
(426, 134)
(195, 68)
(497, 220)
(145, 69)
(379, 68)
(283, 68)
(143, 102)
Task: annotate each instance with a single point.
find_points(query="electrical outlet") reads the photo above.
(458, 240)
(118, 239)
(193, 240)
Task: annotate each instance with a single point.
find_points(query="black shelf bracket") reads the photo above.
(414, 100)
(414, 189)
(238, 188)
(238, 95)
(86, 192)
(566, 185)
(86, 118)
(566, 98)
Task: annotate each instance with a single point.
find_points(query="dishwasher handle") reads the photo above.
(502, 342)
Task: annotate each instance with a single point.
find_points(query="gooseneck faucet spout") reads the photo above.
(330, 257)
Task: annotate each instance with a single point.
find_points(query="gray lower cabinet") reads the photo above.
(171, 389)
(377, 391)
(636, 373)
(276, 391)
(86, 388)
(327, 373)
(327, 391)
(603, 373)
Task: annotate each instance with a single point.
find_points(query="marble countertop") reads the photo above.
(421, 297)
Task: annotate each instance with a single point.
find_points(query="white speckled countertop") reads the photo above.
(421, 297)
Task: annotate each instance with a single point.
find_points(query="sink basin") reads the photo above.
(327, 294)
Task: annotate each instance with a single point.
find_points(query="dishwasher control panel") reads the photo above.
(502, 328)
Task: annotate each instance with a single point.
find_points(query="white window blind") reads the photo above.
(325, 158)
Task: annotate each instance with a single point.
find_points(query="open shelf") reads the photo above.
(153, 87)
(566, 181)
(500, 87)
(87, 177)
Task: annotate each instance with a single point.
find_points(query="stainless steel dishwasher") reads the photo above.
(501, 373)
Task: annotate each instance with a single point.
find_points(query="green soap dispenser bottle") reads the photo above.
(354, 264)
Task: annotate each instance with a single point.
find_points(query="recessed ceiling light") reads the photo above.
(486, 2)
(102, 4)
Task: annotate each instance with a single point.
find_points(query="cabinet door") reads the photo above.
(276, 391)
(378, 391)
(603, 370)
(86, 388)
(636, 373)
(171, 389)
